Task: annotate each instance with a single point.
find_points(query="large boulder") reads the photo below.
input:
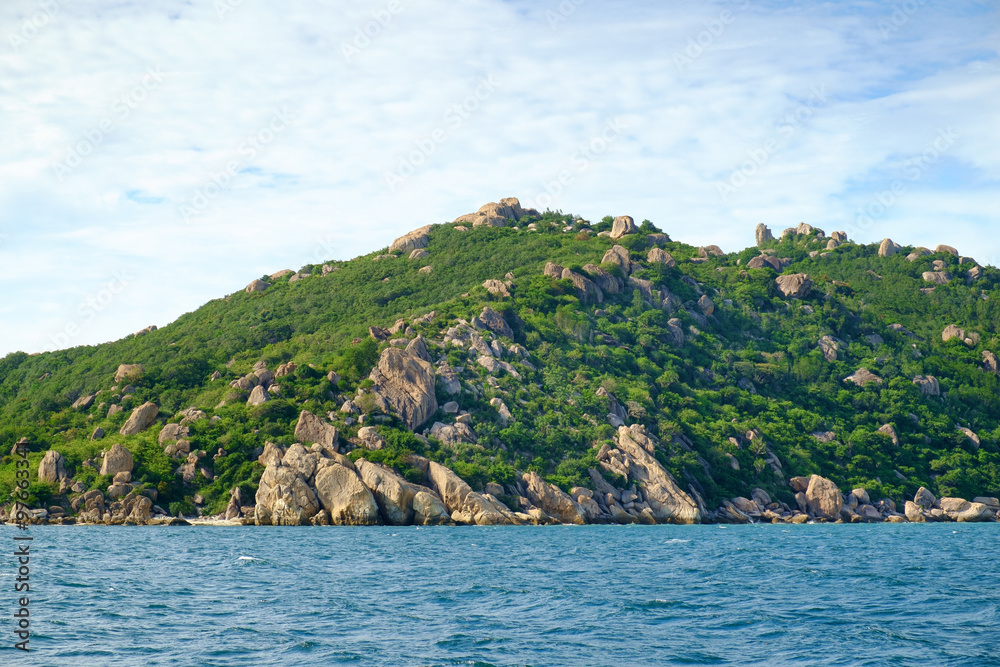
(311, 428)
(551, 499)
(52, 467)
(863, 376)
(913, 512)
(824, 498)
(418, 238)
(258, 396)
(623, 225)
(452, 489)
(496, 287)
(586, 290)
(952, 331)
(607, 281)
(118, 459)
(140, 419)
(929, 385)
(660, 256)
(495, 322)
(619, 256)
(428, 510)
(976, 512)
(345, 497)
(392, 493)
(256, 285)
(129, 373)
(762, 234)
(794, 285)
(286, 497)
(496, 214)
(888, 248)
(406, 383)
(924, 498)
(669, 504)
(171, 432)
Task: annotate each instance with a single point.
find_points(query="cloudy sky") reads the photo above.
(158, 154)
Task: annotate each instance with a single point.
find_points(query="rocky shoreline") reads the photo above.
(321, 486)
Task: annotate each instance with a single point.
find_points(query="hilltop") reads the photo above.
(513, 366)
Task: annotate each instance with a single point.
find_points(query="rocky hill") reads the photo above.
(515, 367)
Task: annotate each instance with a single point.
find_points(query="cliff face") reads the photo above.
(515, 367)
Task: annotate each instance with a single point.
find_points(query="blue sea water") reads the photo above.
(894, 594)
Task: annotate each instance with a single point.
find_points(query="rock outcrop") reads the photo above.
(140, 419)
(762, 235)
(888, 248)
(823, 498)
(52, 468)
(406, 383)
(310, 429)
(794, 285)
(415, 240)
(344, 495)
(118, 459)
(552, 500)
(129, 373)
(622, 226)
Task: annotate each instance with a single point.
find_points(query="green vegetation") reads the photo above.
(754, 364)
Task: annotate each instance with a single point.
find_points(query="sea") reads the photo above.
(854, 594)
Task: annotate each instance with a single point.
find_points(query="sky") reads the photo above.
(156, 155)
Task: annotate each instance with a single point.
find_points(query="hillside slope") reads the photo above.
(608, 354)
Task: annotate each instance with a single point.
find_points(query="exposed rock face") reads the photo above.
(344, 496)
(888, 248)
(418, 348)
(829, 346)
(622, 225)
(586, 290)
(415, 240)
(706, 305)
(552, 500)
(258, 396)
(496, 214)
(406, 383)
(667, 502)
(496, 288)
(924, 498)
(419, 253)
(285, 497)
(952, 331)
(129, 372)
(428, 510)
(913, 512)
(495, 322)
(863, 376)
(619, 256)
(449, 486)
(118, 459)
(311, 428)
(762, 234)
(552, 270)
(946, 248)
(52, 467)
(660, 256)
(171, 432)
(891, 432)
(795, 285)
(608, 282)
(140, 419)
(824, 498)
(392, 493)
(256, 285)
(799, 484)
(936, 277)
(84, 402)
(990, 362)
(929, 385)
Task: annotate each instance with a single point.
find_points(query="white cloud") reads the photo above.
(316, 189)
